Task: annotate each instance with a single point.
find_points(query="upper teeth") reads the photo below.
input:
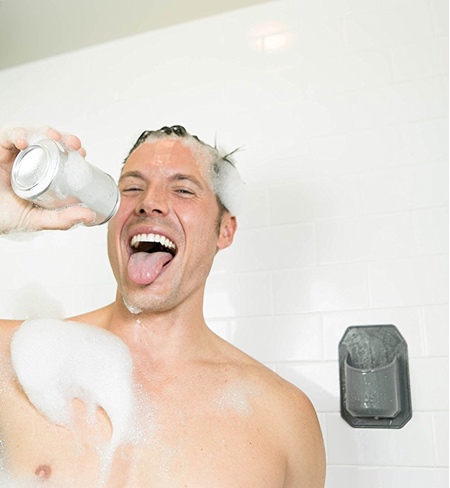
(152, 238)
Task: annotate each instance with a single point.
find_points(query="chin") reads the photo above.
(142, 301)
(132, 307)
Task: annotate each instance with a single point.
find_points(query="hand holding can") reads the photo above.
(18, 215)
(51, 177)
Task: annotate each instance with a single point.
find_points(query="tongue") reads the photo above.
(144, 268)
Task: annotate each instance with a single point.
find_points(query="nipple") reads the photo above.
(43, 472)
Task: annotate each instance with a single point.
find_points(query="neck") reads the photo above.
(162, 338)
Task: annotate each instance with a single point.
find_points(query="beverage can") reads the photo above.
(51, 177)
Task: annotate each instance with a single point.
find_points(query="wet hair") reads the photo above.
(226, 181)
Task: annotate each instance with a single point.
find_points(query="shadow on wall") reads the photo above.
(33, 301)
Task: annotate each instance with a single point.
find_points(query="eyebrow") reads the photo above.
(174, 177)
(131, 174)
(182, 177)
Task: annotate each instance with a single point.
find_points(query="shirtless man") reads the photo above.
(212, 417)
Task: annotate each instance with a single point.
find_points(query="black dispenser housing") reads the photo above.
(374, 377)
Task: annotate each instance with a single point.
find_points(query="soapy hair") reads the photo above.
(225, 178)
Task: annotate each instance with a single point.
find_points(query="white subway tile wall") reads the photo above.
(340, 110)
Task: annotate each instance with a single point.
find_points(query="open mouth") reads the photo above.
(150, 255)
(151, 243)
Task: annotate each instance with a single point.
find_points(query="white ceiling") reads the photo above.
(35, 29)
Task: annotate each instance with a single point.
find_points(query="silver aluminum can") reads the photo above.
(51, 177)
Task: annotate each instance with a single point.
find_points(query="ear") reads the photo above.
(227, 230)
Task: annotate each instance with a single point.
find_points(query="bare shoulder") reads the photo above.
(301, 434)
(99, 317)
(7, 329)
(294, 421)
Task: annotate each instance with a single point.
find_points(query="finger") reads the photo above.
(52, 133)
(13, 138)
(19, 137)
(8, 150)
(5, 141)
(63, 219)
(71, 142)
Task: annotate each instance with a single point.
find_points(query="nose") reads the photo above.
(153, 202)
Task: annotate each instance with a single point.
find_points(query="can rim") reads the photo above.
(54, 153)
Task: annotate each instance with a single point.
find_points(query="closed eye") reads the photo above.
(184, 191)
(132, 189)
(128, 181)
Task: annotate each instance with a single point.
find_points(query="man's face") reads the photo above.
(164, 237)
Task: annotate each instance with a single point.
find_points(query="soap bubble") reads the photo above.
(58, 361)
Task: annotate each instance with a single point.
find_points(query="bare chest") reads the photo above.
(203, 451)
(209, 439)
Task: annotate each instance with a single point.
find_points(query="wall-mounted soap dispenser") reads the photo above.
(374, 377)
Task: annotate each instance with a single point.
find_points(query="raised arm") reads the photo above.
(17, 215)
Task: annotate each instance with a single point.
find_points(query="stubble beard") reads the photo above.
(144, 301)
